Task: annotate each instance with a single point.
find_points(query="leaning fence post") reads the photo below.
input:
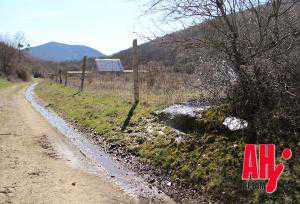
(135, 66)
(83, 73)
(66, 78)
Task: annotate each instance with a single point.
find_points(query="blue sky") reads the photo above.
(107, 25)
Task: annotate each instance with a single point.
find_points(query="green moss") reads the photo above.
(213, 118)
(198, 175)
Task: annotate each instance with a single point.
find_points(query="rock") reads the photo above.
(180, 136)
(149, 129)
(233, 123)
(179, 139)
(48, 105)
(112, 146)
(169, 183)
(129, 130)
(152, 181)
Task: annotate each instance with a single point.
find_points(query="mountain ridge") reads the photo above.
(59, 52)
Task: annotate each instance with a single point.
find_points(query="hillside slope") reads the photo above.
(171, 50)
(180, 49)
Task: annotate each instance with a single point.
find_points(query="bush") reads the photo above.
(23, 74)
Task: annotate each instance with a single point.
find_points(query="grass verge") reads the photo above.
(102, 113)
(210, 161)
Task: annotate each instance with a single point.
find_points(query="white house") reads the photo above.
(109, 65)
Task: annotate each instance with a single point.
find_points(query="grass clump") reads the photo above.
(4, 83)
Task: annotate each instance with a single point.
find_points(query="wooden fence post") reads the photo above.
(60, 76)
(56, 77)
(135, 66)
(83, 73)
(66, 78)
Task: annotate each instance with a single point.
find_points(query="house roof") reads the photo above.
(109, 65)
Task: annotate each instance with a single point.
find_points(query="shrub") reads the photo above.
(23, 74)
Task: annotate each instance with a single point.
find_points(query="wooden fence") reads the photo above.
(64, 76)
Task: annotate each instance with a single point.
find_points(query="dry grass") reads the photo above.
(164, 88)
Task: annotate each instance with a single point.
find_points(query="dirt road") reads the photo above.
(31, 171)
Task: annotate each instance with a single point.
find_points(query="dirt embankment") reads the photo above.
(32, 171)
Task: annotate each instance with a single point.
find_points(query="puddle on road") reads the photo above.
(129, 181)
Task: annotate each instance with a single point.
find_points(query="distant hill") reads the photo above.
(58, 52)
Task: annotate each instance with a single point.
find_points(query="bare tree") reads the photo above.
(258, 40)
(8, 55)
(240, 29)
(20, 42)
(11, 58)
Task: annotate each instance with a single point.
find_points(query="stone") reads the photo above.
(179, 139)
(233, 123)
(149, 129)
